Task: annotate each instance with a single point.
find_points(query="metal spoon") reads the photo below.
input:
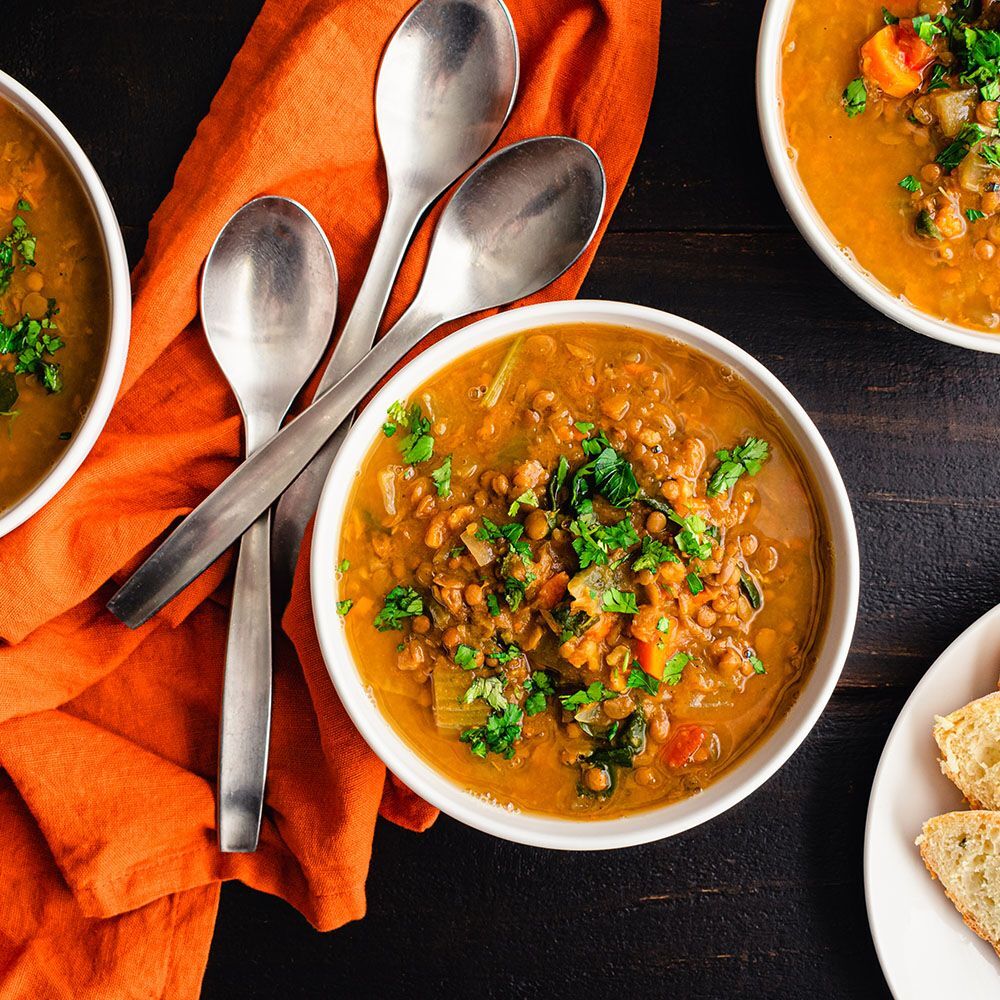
(268, 302)
(515, 224)
(445, 88)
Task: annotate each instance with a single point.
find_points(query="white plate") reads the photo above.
(923, 944)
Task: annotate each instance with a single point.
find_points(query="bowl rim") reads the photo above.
(647, 825)
(120, 312)
(810, 224)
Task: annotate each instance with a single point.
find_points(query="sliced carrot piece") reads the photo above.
(884, 62)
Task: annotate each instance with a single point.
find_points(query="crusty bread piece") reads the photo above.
(962, 849)
(970, 750)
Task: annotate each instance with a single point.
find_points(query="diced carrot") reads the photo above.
(652, 657)
(884, 62)
(551, 592)
(684, 744)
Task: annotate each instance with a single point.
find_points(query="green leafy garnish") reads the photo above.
(538, 687)
(745, 458)
(674, 668)
(910, 183)
(749, 587)
(855, 97)
(498, 735)
(32, 342)
(889, 18)
(505, 653)
(344, 606)
(638, 678)
(586, 696)
(991, 154)
(399, 604)
(689, 539)
(663, 625)
(620, 601)
(442, 478)
(652, 554)
(557, 481)
(490, 690)
(417, 445)
(953, 154)
(614, 478)
(23, 205)
(513, 591)
(493, 604)
(757, 664)
(974, 215)
(937, 80)
(344, 565)
(583, 426)
(489, 531)
(694, 583)
(465, 656)
(927, 28)
(527, 497)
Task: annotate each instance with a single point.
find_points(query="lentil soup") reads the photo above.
(891, 117)
(54, 304)
(583, 570)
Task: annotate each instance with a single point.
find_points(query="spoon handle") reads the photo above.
(255, 484)
(298, 504)
(245, 726)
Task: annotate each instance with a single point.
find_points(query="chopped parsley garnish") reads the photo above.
(344, 606)
(586, 696)
(927, 28)
(652, 554)
(493, 603)
(694, 583)
(674, 668)
(465, 656)
(614, 478)
(538, 687)
(953, 154)
(33, 341)
(557, 482)
(638, 678)
(663, 625)
(937, 80)
(505, 653)
(991, 154)
(888, 17)
(757, 664)
(513, 591)
(910, 183)
(344, 565)
(745, 458)
(23, 205)
(974, 215)
(498, 735)
(442, 478)
(689, 539)
(527, 497)
(400, 603)
(417, 445)
(620, 601)
(583, 426)
(594, 541)
(593, 446)
(490, 690)
(855, 97)
(511, 533)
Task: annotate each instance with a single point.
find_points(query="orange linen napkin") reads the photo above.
(108, 737)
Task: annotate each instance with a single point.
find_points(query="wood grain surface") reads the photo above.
(768, 899)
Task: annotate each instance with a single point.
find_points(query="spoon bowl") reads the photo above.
(445, 87)
(268, 301)
(545, 205)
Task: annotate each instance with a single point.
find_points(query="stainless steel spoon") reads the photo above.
(445, 88)
(513, 226)
(268, 302)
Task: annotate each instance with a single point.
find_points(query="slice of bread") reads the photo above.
(962, 850)
(970, 750)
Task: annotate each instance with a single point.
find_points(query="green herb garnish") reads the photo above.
(619, 601)
(399, 604)
(855, 97)
(745, 458)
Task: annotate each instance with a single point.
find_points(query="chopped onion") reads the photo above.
(387, 484)
(478, 549)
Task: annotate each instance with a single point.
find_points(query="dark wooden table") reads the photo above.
(766, 900)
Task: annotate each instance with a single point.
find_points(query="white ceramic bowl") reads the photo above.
(654, 824)
(121, 308)
(837, 258)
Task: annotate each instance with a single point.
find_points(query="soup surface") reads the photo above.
(583, 570)
(892, 119)
(54, 304)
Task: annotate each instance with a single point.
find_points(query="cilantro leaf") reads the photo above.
(745, 458)
(855, 97)
(344, 606)
(620, 601)
(527, 497)
(586, 696)
(653, 553)
(465, 656)
(442, 478)
(498, 735)
(638, 678)
(674, 668)
(910, 183)
(689, 539)
(400, 603)
(490, 690)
